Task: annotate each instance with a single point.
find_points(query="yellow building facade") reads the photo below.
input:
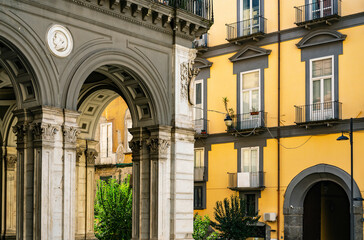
(292, 72)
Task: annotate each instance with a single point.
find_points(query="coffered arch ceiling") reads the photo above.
(104, 85)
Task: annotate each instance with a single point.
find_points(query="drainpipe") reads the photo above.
(279, 124)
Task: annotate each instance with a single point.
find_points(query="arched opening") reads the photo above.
(111, 101)
(326, 212)
(316, 199)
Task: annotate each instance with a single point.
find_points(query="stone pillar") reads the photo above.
(160, 181)
(10, 213)
(91, 155)
(141, 187)
(80, 192)
(46, 143)
(182, 145)
(24, 179)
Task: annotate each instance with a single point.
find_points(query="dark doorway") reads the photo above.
(326, 213)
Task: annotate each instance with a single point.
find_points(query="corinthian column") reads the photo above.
(91, 155)
(10, 196)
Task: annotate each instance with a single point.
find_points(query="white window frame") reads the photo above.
(250, 16)
(109, 147)
(321, 9)
(242, 158)
(201, 81)
(241, 90)
(321, 78)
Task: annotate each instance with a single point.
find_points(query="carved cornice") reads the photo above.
(91, 155)
(158, 145)
(44, 131)
(11, 161)
(70, 134)
(20, 131)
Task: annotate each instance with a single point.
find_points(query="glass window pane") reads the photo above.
(327, 67)
(255, 8)
(246, 102)
(199, 161)
(316, 91)
(198, 93)
(255, 100)
(246, 160)
(246, 9)
(254, 160)
(250, 80)
(317, 68)
(327, 90)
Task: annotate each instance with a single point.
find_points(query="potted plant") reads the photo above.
(254, 111)
(203, 131)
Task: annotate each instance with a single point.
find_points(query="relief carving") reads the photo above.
(188, 75)
(70, 134)
(11, 161)
(44, 131)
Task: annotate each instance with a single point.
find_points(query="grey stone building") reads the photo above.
(57, 56)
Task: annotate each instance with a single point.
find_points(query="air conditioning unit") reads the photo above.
(270, 217)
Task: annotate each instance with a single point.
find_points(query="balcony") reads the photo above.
(254, 122)
(254, 28)
(318, 12)
(318, 113)
(201, 128)
(202, 8)
(246, 181)
(199, 174)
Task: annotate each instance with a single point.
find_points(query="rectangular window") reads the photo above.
(199, 196)
(199, 165)
(199, 109)
(249, 17)
(106, 141)
(250, 160)
(250, 100)
(321, 8)
(322, 90)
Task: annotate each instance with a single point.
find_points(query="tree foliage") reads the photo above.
(233, 220)
(201, 228)
(113, 210)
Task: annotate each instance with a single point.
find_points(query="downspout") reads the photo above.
(279, 124)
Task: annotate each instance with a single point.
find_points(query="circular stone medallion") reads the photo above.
(59, 41)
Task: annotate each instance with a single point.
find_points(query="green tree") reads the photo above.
(201, 228)
(113, 210)
(233, 220)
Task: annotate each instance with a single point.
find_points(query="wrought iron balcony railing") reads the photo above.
(202, 8)
(201, 126)
(246, 180)
(319, 11)
(249, 121)
(318, 112)
(249, 28)
(199, 174)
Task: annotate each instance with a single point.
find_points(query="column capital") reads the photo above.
(79, 153)
(70, 134)
(157, 145)
(21, 130)
(91, 155)
(44, 131)
(11, 160)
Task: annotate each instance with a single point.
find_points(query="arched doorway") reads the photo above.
(326, 212)
(306, 190)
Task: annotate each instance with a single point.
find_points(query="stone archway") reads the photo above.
(297, 190)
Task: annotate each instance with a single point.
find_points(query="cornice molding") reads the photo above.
(249, 52)
(320, 36)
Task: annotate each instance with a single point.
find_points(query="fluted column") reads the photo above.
(91, 155)
(160, 181)
(80, 192)
(10, 230)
